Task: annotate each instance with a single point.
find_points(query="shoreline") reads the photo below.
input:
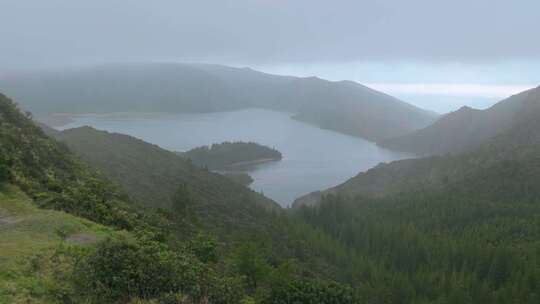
(251, 162)
(62, 119)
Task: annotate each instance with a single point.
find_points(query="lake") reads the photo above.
(313, 158)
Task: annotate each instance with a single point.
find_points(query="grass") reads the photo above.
(29, 238)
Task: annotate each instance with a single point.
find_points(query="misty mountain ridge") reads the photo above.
(466, 128)
(342, 106)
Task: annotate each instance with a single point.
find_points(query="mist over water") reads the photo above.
(313, 158)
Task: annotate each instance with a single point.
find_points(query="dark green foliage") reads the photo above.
(313, 292)
(240, 177)
(251, 262)
(120, 270)
(205, 248)
(429, 246)
(4, 169)
(231, 154)
(183, 200)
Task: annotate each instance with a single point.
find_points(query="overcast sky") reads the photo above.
(494, 43)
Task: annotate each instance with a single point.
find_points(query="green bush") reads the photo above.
(204, 247)
(119, 270)
(4, 173)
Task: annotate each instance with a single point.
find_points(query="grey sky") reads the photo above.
(431, 46)
(38, 32)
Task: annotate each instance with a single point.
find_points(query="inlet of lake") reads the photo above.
(313, 158)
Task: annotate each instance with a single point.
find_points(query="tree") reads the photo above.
(204, 247)
(4, 170)
(120, 269)
(251, 263)
(183, 199)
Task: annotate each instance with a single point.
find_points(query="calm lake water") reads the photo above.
(313, 158)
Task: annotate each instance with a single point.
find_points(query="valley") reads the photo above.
(313, 158)
(269, 152)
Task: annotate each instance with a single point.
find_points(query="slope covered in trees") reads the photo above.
(453, 229)
(463, 130)
(473, 240)
(152, 175)
(516, 140)
(346, 107)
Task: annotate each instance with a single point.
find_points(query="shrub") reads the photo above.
(120, 270)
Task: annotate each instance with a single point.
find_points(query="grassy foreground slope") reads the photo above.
(30, 236)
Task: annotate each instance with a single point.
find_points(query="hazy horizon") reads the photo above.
(441, 89)
(413, 50)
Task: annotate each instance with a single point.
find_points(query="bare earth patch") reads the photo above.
(7, 220)
(82, 239)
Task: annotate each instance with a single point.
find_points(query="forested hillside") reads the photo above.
(152, 175)
(452, 229)
(516, 140)
(346, 107)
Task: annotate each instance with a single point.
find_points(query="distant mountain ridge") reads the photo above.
(342, 106)
(464, 129)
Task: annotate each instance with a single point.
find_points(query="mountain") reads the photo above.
(462, 130)
(342, 106)
(517, 139)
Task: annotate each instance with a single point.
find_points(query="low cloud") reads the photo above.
(251, 32)
(452, 89)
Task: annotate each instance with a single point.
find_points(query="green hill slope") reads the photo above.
(517, 141)
(152, 175)
(30, 237)
(449, 229)
(97, 246)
